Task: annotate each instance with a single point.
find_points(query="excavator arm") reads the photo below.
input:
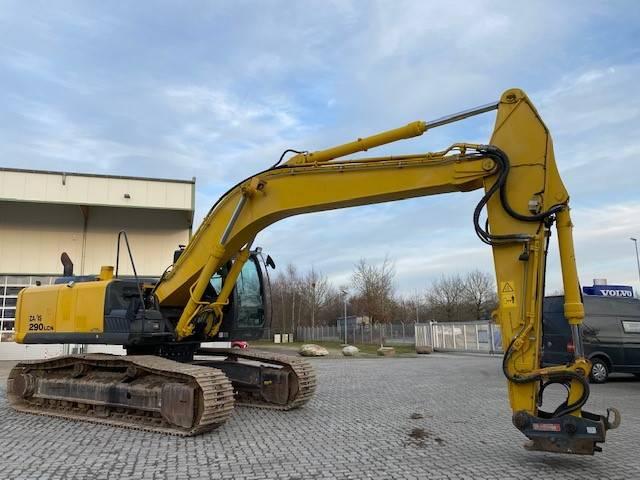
(524, 197)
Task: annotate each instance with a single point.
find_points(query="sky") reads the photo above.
(217, 90)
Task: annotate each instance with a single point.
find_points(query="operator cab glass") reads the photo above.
(249, 296)
(245, 317)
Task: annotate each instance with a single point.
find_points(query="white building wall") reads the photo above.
(43, 214)
(153, 237)
(32, 237)
(78, 189)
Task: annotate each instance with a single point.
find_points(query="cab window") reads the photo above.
(250, 308)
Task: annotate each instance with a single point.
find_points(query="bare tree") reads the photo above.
(374, 287)
(479, 293)
(303, 299)
(285, 292)
(446, 296)
(314, 289)
(309, 299)
(416, 303)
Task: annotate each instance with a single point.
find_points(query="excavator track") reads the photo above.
(300, 384)
(138, 392)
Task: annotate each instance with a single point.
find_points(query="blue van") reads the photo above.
(610, 335)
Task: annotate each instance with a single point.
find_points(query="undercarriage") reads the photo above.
(147, 392)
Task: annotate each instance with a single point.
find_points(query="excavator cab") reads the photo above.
(248, 313)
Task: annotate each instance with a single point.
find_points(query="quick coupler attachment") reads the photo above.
(567, 433)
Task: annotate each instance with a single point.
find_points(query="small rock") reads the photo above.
(312, 350)
(424, 349)
(350, 351)
(386, 351)
(416, 416)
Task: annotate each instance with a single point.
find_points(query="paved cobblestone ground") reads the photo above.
(357, 427)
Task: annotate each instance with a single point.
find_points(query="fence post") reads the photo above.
(464, 336)
(453, 335)
(491, 347)
(433, 344)
(477, 338)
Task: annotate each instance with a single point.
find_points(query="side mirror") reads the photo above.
(270, 262)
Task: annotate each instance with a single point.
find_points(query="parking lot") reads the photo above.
(358, 426)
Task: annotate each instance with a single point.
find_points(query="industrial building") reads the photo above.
(45, 213)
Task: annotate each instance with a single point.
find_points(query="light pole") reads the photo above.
(635, 241)
(313, 306)
(344, 294)
(293, 310)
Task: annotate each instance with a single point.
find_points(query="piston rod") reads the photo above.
(454, 117)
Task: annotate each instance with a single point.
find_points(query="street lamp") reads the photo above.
(313, 306)
(345, 293)
(635, 241)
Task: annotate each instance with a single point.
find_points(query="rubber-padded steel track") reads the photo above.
(305, 375)
(213, 393)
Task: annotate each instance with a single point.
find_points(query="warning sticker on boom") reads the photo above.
(507, 295)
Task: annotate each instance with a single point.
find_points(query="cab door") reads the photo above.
(248, 313)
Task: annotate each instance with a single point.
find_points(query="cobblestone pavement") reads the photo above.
(358, 426)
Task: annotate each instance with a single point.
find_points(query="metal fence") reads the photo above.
(478, 337)
(396, 333)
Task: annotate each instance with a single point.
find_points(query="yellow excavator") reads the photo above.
(215, 290)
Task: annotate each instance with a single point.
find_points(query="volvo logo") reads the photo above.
(615, 293)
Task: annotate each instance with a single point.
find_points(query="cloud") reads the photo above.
(602, 242)
(218, 91)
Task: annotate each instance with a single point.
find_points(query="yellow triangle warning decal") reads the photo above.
(506, 287)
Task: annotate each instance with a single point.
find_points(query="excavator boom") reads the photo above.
(524, 197)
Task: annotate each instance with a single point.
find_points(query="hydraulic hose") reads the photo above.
(502, 160)
(558, 377)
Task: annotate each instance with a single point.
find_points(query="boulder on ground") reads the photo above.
(312, 350)
(350, 351)
(386, 351)
(424, 349)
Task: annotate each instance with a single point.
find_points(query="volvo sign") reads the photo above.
(609, 290)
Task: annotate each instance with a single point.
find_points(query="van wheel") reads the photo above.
(599, 370)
